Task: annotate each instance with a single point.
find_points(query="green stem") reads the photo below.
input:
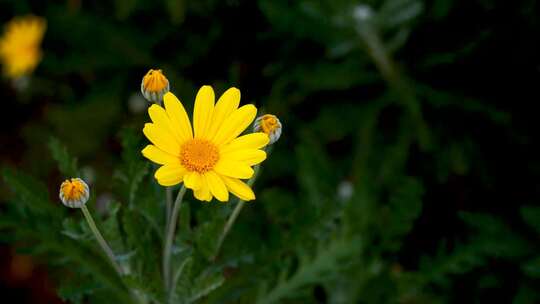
(108, 251)
(391, 74)
(169, 237)
(232, 219)
(228, 225)
(168, 204)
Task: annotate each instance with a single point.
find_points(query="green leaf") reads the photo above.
(66, 164)
(134, 168)
(178, 274)
(74, 291)
(74, 230)
(311, 270)
(462, 259)
(30, 192)
(111, 229)
(404, 207)
(495, 237)
(204, 285)
(206, 236)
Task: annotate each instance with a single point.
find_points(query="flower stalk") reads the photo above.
(108, 251)
(169, 237)
(271, 126)
(168, 204)
(232, 218)
(387, 67)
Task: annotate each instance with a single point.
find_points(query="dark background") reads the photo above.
(471, 68)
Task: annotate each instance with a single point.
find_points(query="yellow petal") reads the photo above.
(233, 168)
(203, 194)
(159, 156)
(170, 174)
(249, 157)
(216, 185)
(225, 106)
(202, 113)
(239, 188)
(161, 139)
(248, 141)
(161, 120)
(178, 117)
(235, 124)
(193, 180)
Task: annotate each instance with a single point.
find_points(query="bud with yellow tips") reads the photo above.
(74, 193)
(270, 125)
(154, 85)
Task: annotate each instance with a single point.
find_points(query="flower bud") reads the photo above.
(74, 193)
(270, 125)
(154, 85)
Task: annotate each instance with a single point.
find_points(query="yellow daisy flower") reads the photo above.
(19, 46)
(211, 159)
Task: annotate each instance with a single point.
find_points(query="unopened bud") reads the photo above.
(74, 193)
(270, 125)
(154, 85)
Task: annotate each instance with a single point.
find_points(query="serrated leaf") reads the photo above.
(30, 192)
(206, 236)
(461, 260)
(311, 270)
(134, 169)
(495, 236)
(110, 227)
(186, 263)
(204, 285)
(73, 229)
(66, 164)
(404, 207)
(140, 172)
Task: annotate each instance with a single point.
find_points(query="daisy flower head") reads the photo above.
(74, 193)
(154, 85)
(211, 158)
(20, 50)
(270, 125)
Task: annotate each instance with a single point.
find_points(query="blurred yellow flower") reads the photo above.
(20, 50)
(154, 85)
(210, 158)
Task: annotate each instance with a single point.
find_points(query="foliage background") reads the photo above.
(407, 171)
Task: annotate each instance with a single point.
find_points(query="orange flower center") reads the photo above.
(199, 155)
(155, 81)
(269, 123)
(72, 189)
